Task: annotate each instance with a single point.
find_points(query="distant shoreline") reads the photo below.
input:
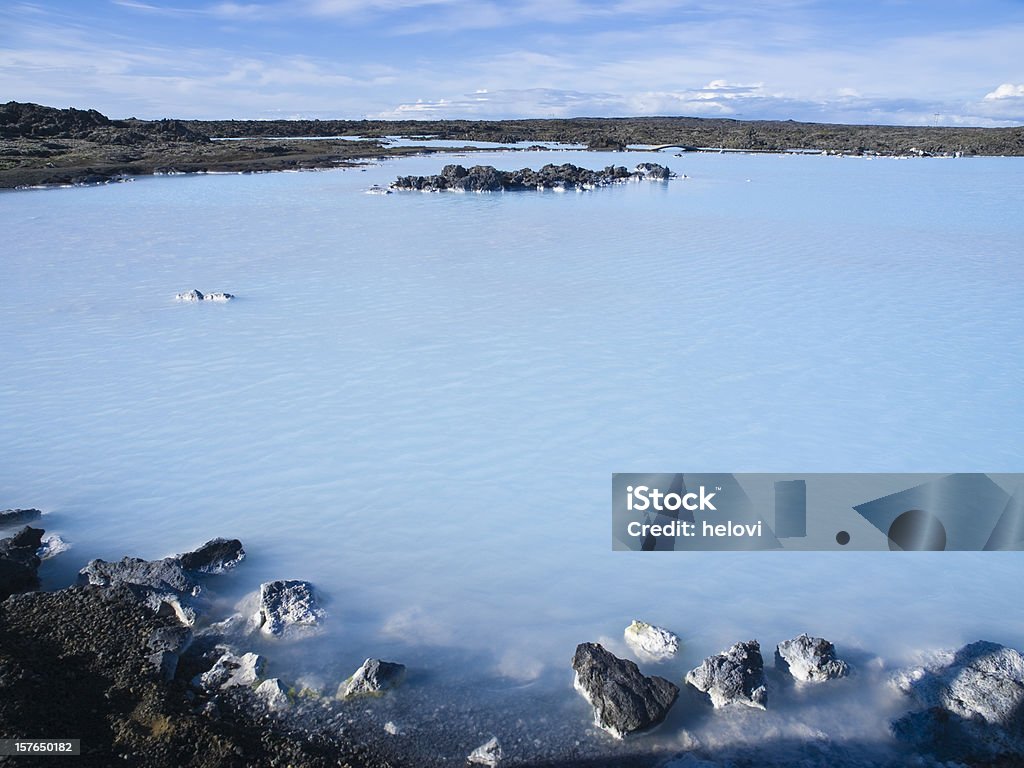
(45, 146)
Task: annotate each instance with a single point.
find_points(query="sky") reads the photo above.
(913, 62)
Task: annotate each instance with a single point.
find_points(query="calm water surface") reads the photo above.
(417, 400)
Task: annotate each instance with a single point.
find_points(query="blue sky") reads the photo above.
(898, 61)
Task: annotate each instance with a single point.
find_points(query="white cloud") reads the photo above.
(65, 66)
(1006, 91)
(349, 7)
(534, 58)
(717, 99)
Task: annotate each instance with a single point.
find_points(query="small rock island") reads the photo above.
(487, 178)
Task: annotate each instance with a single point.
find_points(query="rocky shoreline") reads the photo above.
(131, 661)
(45, 146)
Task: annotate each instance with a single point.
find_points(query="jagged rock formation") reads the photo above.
(169, 585)
(973, 705)
(735, 676)
(810, 659)
(373, 677)
(196, 296)
(488, 753)
(287, 607)
(624, 701)
(486, 178)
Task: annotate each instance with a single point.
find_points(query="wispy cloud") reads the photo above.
(800, 59)
(100, 70)
(715, 100)
(158, 10)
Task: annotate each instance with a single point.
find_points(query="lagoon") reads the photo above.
(417, 400)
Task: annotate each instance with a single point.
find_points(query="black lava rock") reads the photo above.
(624, 700)
(486, 178)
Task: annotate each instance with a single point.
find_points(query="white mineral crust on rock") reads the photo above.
(651, 642)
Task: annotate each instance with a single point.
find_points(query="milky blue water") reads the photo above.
(417, 400)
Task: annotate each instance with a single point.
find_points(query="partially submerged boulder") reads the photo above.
(624, 701)
(810, 659)
(653, 172)
(170, 584)
(195, 296)
(374, 677)
(973, 703)
(488, 753)
(651, 642)
(287, 607)
(215, 556)
(162, 585)
(230, 671)
(735, 676)
(166, 575)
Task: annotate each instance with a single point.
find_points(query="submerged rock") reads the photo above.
(287, 607)
(810, 659)
(624, 701)
(488, 753)
(373, 677)
(11, 517)
(651, 642)
(735, 676)
(973, 700)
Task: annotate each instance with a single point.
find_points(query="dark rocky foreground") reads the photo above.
(110, 662)
(129, 662)
(45, 146)
(74, 664)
